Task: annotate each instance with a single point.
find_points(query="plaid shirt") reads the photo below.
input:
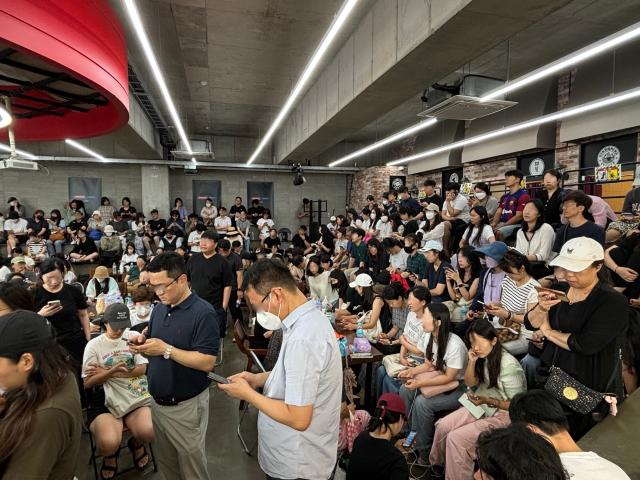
(417, 264)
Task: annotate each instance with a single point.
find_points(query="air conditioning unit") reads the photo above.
(18, 164)
(462, 101)
(201, 149)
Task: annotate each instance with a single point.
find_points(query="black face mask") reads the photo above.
(408, 249)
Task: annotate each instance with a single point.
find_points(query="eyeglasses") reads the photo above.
(160, 289)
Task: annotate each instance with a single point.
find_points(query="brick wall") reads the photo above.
(371, 181)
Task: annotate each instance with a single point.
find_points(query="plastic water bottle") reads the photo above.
(463, 310)
(318, 304)
(128, 301)
(359, 331)
(114, 269)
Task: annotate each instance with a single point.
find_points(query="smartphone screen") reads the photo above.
(218, 378)
(410, 439)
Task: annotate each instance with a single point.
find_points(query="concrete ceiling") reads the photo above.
(565, 30)
(250, 53)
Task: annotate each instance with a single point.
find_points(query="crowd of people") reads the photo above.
(508, 329)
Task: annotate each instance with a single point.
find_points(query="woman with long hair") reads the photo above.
(462, 285)
(433, 228)
(410, 339)
(493, 377)
(373, 454)
(535, 238)
(377, 261)
(106, 209)
(40, 413)
(318, 280)
(445, 358)
(479, 232)
(127, 211)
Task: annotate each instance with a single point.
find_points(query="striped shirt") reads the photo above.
(399, 318)
(515, 298)
(37, 247)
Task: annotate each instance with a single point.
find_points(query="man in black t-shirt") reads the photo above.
(575, 208)
(301, 241)
(211, 277)
(224, 247)
(256, 211)
(272, 242)
(236, 208)
(155, 228)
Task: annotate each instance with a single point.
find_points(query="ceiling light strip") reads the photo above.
(552, 117)
(84, 149)
(138, 27)
(608, 43)
(22, 153)
(334, 29)
(571, 60)
(385, 141)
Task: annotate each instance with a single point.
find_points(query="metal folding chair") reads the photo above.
(252, 361)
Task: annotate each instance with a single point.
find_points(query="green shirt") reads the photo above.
(359, 253)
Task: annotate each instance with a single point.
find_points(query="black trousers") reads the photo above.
(234, 310)
(630, 260)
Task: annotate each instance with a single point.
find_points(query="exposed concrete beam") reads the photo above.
(409, 49)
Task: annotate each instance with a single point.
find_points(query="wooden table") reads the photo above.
(376, 356)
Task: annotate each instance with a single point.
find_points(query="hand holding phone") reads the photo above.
(218, 378)
(558, 294)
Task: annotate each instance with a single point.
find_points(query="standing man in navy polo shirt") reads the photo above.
(211, 277)
(182, 345)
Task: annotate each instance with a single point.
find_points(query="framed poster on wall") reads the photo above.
(533, 165)
(396, 182)
(451, 176)
(87, 189)
(203, 189)
(611, 152)
(262, 191)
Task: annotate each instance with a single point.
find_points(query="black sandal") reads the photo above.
(108, 468)
(138, 459)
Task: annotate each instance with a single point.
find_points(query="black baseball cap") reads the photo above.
(24, 331)
(117, 315)
(210, 235)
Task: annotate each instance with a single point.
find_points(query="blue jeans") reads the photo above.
(421, 413)
(530, 365)
(507, 230)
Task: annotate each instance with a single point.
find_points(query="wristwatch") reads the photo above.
(167, 352)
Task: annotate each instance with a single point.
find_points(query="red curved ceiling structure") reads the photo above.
(64, 65)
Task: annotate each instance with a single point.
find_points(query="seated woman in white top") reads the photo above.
(318, 281)
(518, 297)
(384, 227)
(535, 238)
(265, 224)
(433, 228)
(479, 232)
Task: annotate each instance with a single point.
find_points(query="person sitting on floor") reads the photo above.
(108, 362)
(101, 283)
(84, 251)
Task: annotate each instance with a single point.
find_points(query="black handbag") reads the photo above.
(573, 394)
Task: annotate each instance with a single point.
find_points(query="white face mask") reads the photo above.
(108, 234)
(373, 216)
(143, 310)
(384, 219)
(430, 215)
(268, 320)
(490, 262)
(481, 195)
(385, 202)
(208, 204)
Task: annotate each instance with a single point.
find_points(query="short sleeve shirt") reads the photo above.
(455, 356)
(191, 325)
(434, 278)
(308, 372)
(413, 330)
(461, 203)
(512, 204)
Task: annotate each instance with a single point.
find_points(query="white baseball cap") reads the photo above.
(432, 245)
(333, 219)
(578, 254)
(433, 207)
(362, 280)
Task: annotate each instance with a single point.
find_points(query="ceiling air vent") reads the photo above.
(463, 107)
(461, 100)
(201, 149)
